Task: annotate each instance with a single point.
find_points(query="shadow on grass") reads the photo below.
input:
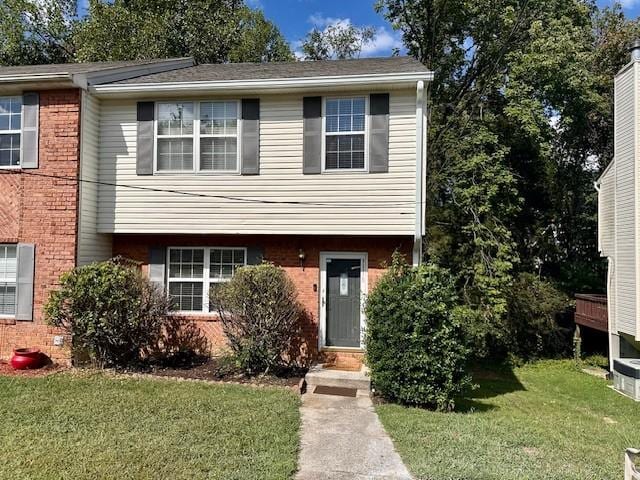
(492, 381)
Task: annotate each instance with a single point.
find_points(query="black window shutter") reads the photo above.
(250, 136)
(379, 132)
(312, 140)
(157, 268)
(144, 146)
(254, 255)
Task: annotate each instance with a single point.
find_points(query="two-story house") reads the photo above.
(194, 170)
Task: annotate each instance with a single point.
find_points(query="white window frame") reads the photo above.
(13, 132)
(196, 138)
(325, 134)
(206, 272)
(15, 301)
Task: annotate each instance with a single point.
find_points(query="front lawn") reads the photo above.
(542, 421)
(79, 426)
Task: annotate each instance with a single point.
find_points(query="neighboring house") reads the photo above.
(194, 170)
(619, 218)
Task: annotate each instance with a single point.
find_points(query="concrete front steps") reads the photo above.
(321, 376)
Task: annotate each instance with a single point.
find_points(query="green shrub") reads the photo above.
(112, 312)
(415, 345)
(260, 316)
(533, 311)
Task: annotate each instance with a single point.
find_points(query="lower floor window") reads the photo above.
(8, 269)
(192, 272)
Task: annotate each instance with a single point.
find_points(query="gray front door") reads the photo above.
(343, 302)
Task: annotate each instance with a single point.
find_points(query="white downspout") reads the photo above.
(417, 240)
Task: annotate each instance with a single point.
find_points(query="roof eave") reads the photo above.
(35, 77)
(265, 84)
(86, 80)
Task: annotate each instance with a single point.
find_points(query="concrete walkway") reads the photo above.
(342, 438)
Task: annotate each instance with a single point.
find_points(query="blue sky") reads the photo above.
(296, 17)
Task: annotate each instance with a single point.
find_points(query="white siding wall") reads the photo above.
(92, 246)
(625, 216)
(606, 212)
(385, 201)
(606, 234)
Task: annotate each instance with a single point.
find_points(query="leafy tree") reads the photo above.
(340, 41)
(36, 32)
(259, 40)
(209, 30)
(520, 124)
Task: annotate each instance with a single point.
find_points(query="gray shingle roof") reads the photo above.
(71, 68)
(273, 70)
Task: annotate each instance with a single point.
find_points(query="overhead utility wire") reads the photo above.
(372, 203)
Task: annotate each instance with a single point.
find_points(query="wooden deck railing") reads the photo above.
(591, 311)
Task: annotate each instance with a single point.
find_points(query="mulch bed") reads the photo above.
(218, 369)
(7, 370)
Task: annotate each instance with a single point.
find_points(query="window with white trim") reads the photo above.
(219, 136)
(10, 125)
(197, 136)
(345, 133)
(193, 270)
(175, 136)
(8, 274)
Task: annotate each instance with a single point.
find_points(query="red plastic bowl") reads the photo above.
(26, 358)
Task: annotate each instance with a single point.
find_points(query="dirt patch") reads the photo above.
(7, 370)
(220, 370)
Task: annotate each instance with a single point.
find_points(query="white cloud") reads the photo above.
(255, 4)
(629, 3)
(320, 21)
(383, 43)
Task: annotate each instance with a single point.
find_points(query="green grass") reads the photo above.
(543, 421)
(96, 426)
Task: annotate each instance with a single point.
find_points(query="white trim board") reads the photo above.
(257, 84)
(322, 293)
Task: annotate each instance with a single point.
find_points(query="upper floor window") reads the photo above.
(345, 133)
(197, 136)
(192, 272)
(8, 269)
(10, 123)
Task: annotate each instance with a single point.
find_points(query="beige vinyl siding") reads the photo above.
(350, 202)
(625, 208)
(606, 213)
(606, 234)
(92, 246)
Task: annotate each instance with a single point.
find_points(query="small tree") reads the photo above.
(415, 345)
(260, 316)
(111, 311)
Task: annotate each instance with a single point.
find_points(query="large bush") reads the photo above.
(111, 310)
(415, 345)
(260, 316)
(534, 310)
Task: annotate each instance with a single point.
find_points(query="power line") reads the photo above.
(369, 203)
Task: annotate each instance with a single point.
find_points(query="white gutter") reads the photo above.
(417, 240)
(265, 84)
(34, 77)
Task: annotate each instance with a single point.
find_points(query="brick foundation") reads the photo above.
(43, 211)
(283, 251)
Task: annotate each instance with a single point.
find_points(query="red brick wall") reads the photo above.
(282, 250)
(43, 211)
